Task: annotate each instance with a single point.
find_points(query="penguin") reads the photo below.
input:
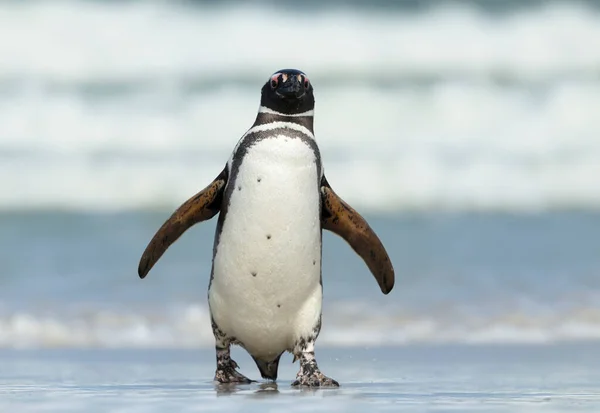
(273, 199)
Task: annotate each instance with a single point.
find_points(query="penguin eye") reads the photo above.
(274, 81)
(306, 83)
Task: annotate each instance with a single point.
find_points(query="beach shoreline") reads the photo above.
(524, 378)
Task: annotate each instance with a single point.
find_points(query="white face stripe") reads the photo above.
(264, 109)
(267, 127)
(279, 125)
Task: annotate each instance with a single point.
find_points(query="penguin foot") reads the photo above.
(317, 379)
(310, 375)
(227, 373)
(226, 369)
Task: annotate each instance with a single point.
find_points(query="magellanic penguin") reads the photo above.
(265, 289)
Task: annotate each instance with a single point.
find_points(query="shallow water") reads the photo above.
(414, 379)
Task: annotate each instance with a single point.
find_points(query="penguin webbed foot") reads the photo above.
(227, 373)
(316, 379)
(227, 369)
(310, 375)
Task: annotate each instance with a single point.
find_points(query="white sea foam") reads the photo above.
(69, 40)
(190, 328)
(445, 109)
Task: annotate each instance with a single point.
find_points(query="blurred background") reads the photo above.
(465, 132)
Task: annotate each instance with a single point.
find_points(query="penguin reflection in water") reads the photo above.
(265, 289)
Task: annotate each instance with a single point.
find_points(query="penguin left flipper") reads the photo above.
(341, 219)
(202, 206)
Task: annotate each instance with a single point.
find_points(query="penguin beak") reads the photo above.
(291, 88)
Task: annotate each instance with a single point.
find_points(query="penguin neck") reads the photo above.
(266, 115)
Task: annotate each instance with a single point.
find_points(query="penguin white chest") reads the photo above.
(266, 290)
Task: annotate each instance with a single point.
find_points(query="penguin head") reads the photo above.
(288, 91)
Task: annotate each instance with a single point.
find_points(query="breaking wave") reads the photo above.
(344, 325)
(143, 115)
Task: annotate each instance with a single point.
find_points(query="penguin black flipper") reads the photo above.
(340, 218)
(201, 207)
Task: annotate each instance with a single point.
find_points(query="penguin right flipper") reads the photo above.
(202, 206)
(341, 219)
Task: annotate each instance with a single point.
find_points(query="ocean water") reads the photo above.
(465, 132)
(70, 280)
(134, 105)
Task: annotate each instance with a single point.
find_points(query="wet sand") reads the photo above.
(433, 378)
